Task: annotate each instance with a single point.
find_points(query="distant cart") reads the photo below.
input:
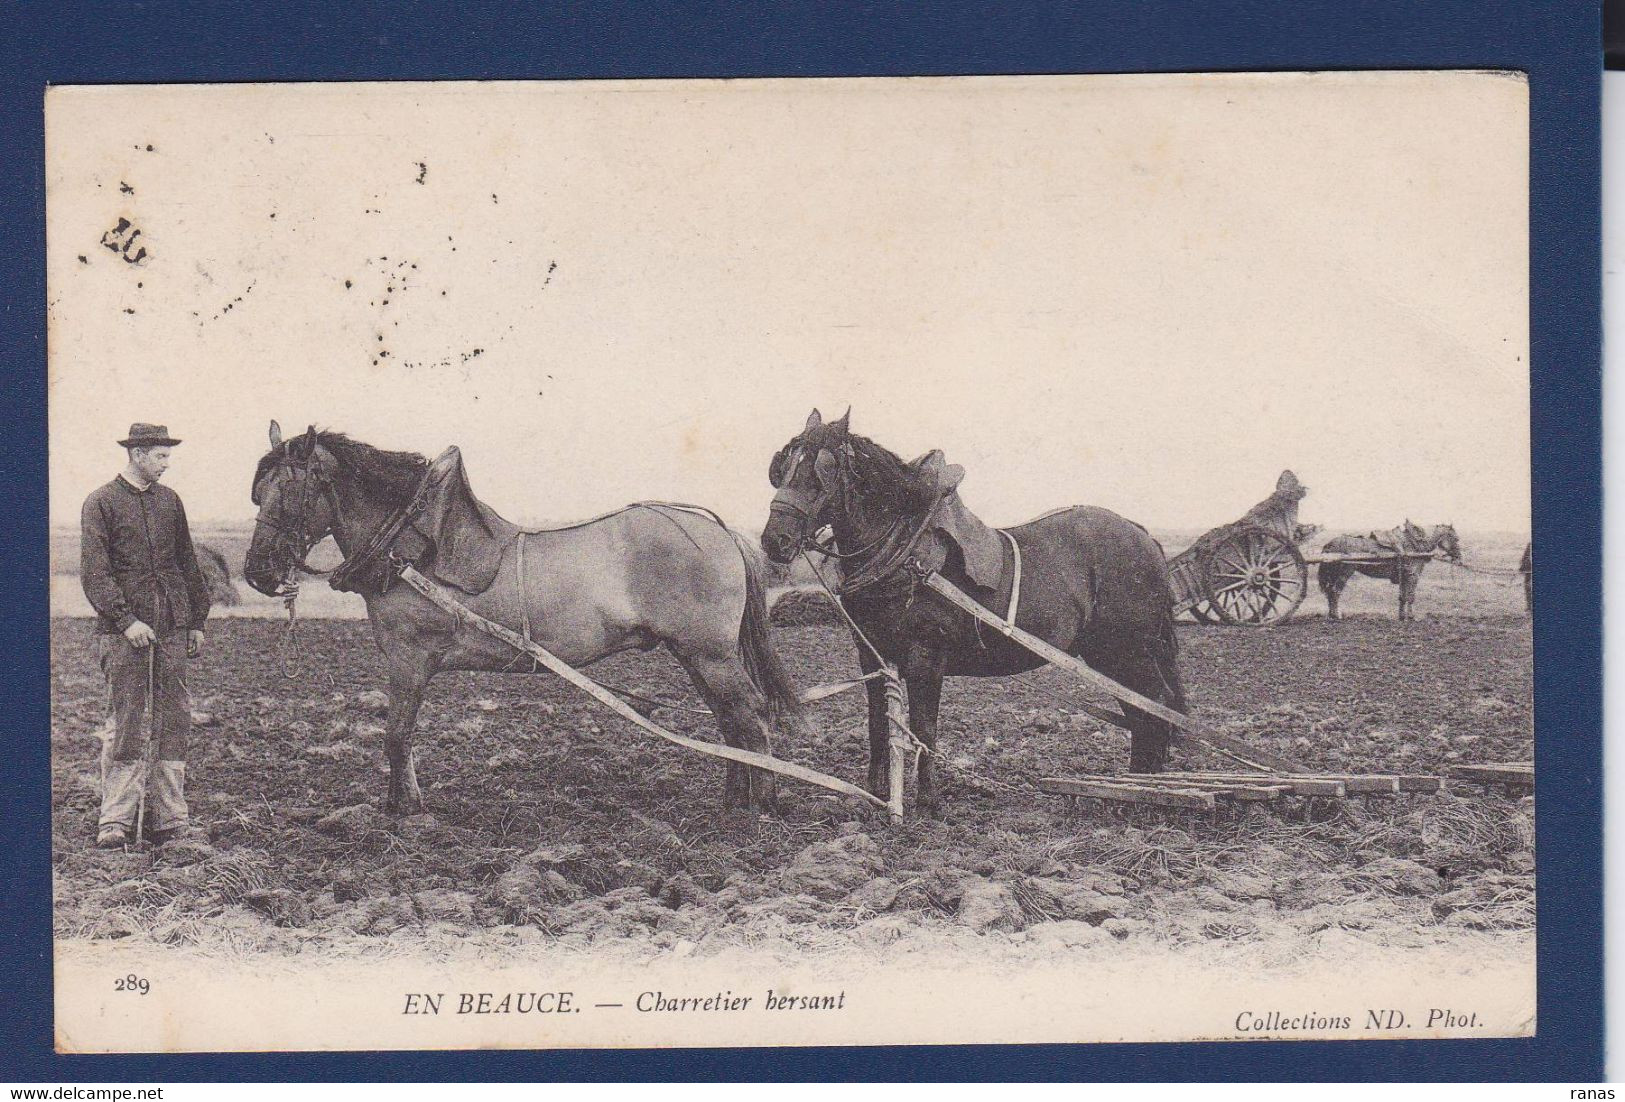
(1252, 572)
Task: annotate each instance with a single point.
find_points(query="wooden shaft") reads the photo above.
(546, 657)
(1193, 730)
(1370, 557)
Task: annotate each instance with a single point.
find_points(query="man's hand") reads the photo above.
(140, 634)
(194, 642)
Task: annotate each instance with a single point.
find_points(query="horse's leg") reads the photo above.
(409, 673)
(743, 716)
(923, 675)
(1130, 664)
(879, 727)
(1408, 577)
(1331, 581)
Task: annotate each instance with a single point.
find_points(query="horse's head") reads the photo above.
(808, 475)
(293, 486)
(1444, 538)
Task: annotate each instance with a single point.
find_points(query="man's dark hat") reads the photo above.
(143, 435)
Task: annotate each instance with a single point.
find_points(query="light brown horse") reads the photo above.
(645, 576)
(1397, 556)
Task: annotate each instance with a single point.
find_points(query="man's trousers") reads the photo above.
(125, 753)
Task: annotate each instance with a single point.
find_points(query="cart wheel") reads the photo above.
(1255, 576)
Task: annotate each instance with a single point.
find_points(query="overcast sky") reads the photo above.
(1148, 293)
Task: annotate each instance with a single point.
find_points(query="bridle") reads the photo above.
(293, 541)
(877, 559)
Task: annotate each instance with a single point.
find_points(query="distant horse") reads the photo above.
(1091, 583)
(217, 575)
(1406, 572)
(1526, 567)
(644, 576)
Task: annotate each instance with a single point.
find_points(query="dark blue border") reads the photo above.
(1557, 42)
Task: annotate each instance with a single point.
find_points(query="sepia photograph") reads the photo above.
(781, 562)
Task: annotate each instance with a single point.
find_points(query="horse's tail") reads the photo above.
(1167, 657)
(761, 659)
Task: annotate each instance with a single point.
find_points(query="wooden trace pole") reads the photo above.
(1193, 731)
(547, 658)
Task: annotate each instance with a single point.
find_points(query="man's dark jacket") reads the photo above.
(136, 560)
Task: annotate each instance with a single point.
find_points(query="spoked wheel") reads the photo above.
(1255, 577)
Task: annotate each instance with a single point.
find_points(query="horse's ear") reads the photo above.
(938, 477)
(814, 419)
(310, 440)
(276, 435)
(839, 427)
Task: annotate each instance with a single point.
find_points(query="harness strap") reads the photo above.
(1015, 584)
(524, 606)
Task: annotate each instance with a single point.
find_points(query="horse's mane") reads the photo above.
(394, 475)
(882, 478)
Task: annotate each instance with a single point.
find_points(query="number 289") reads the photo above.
(132, 982)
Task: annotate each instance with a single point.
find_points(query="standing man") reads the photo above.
(140, 572)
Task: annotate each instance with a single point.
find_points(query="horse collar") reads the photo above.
(381, 540)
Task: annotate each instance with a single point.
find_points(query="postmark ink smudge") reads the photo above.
(423, 170)
(123, 240)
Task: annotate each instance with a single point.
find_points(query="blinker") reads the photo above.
(827, 468)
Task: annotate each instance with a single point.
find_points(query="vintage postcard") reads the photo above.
(791, 562)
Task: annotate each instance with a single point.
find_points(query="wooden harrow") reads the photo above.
(1212, 791)
(1272, 779)
(1517, 776)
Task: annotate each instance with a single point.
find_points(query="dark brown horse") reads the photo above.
(1092, 584)
(644, 576)
(1397, 556)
